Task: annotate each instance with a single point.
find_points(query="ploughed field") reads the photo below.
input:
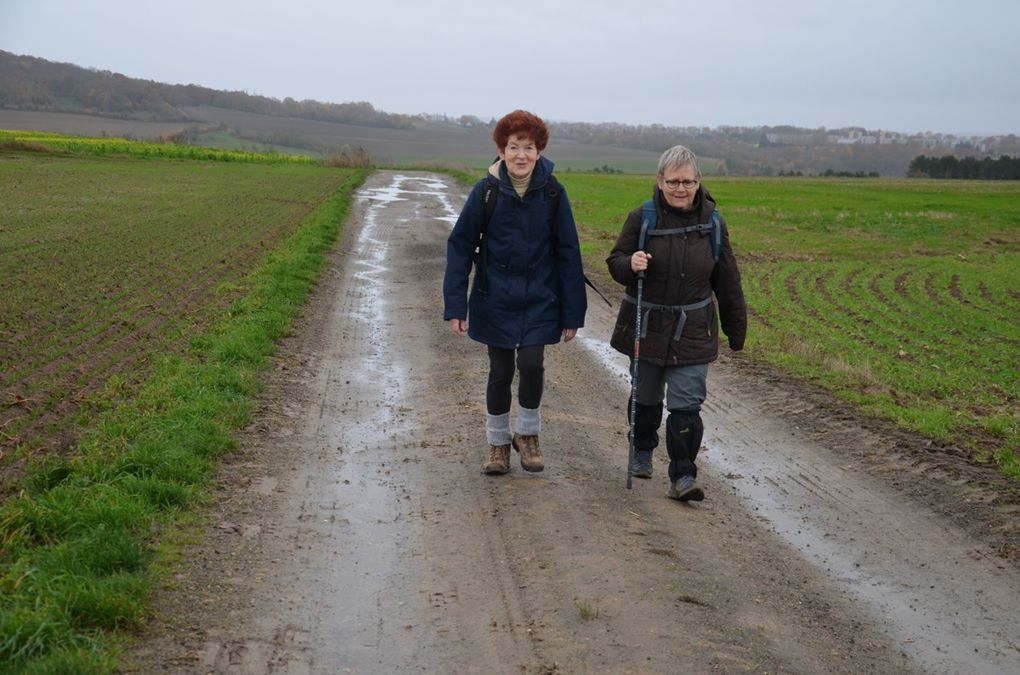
(108, 261)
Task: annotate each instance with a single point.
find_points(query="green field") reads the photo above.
(903, 296)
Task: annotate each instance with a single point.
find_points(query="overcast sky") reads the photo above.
(901, 65)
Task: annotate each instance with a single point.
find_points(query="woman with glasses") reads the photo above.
(517, 230)
(670, 245)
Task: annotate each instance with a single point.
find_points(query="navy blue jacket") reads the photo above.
(534, 272)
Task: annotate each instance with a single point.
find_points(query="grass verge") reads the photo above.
(74, 557)
(49, 142)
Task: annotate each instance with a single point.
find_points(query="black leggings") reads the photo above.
(501, 376)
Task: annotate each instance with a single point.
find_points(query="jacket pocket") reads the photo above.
(701, 328)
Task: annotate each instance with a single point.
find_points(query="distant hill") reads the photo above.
(44, 95)
(31, 83)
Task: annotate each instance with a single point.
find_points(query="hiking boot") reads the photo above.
(499, 460)
(642, 465)
(531, 456)
(686, 490)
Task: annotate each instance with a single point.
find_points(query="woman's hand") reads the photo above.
(568, 334)
(639, 261)
(459, 326)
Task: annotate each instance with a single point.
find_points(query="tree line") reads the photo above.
(949, 166)
(31, 83)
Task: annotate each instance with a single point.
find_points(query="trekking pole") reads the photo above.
(637, 355)
(633, 375)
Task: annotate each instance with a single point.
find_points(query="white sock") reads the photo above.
(497, 429)
(529, 421)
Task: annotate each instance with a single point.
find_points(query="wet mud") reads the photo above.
(354, 532)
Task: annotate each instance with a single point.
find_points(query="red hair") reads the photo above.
(524, 124)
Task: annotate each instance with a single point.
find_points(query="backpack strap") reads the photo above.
(481, 250)
(552, 195)
(488, 204)
(649, 218)
(716, 220)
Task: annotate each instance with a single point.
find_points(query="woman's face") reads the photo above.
(679, 186)
(520, 155)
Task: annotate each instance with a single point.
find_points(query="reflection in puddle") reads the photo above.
(365, 595)
(370, 251)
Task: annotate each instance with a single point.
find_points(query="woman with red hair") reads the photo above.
(528, 286)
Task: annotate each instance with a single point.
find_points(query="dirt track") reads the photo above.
(355, 533)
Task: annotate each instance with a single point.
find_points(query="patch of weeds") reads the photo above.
(1001, 425)
(116, 389)
(99, 553)
(585, 610)
(47, 474)
(30, 633)
(72, 660)
(24, 146)
(1009, 462)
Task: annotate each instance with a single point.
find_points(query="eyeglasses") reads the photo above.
(674, 184)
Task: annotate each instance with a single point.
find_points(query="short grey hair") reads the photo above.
(678, 157)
